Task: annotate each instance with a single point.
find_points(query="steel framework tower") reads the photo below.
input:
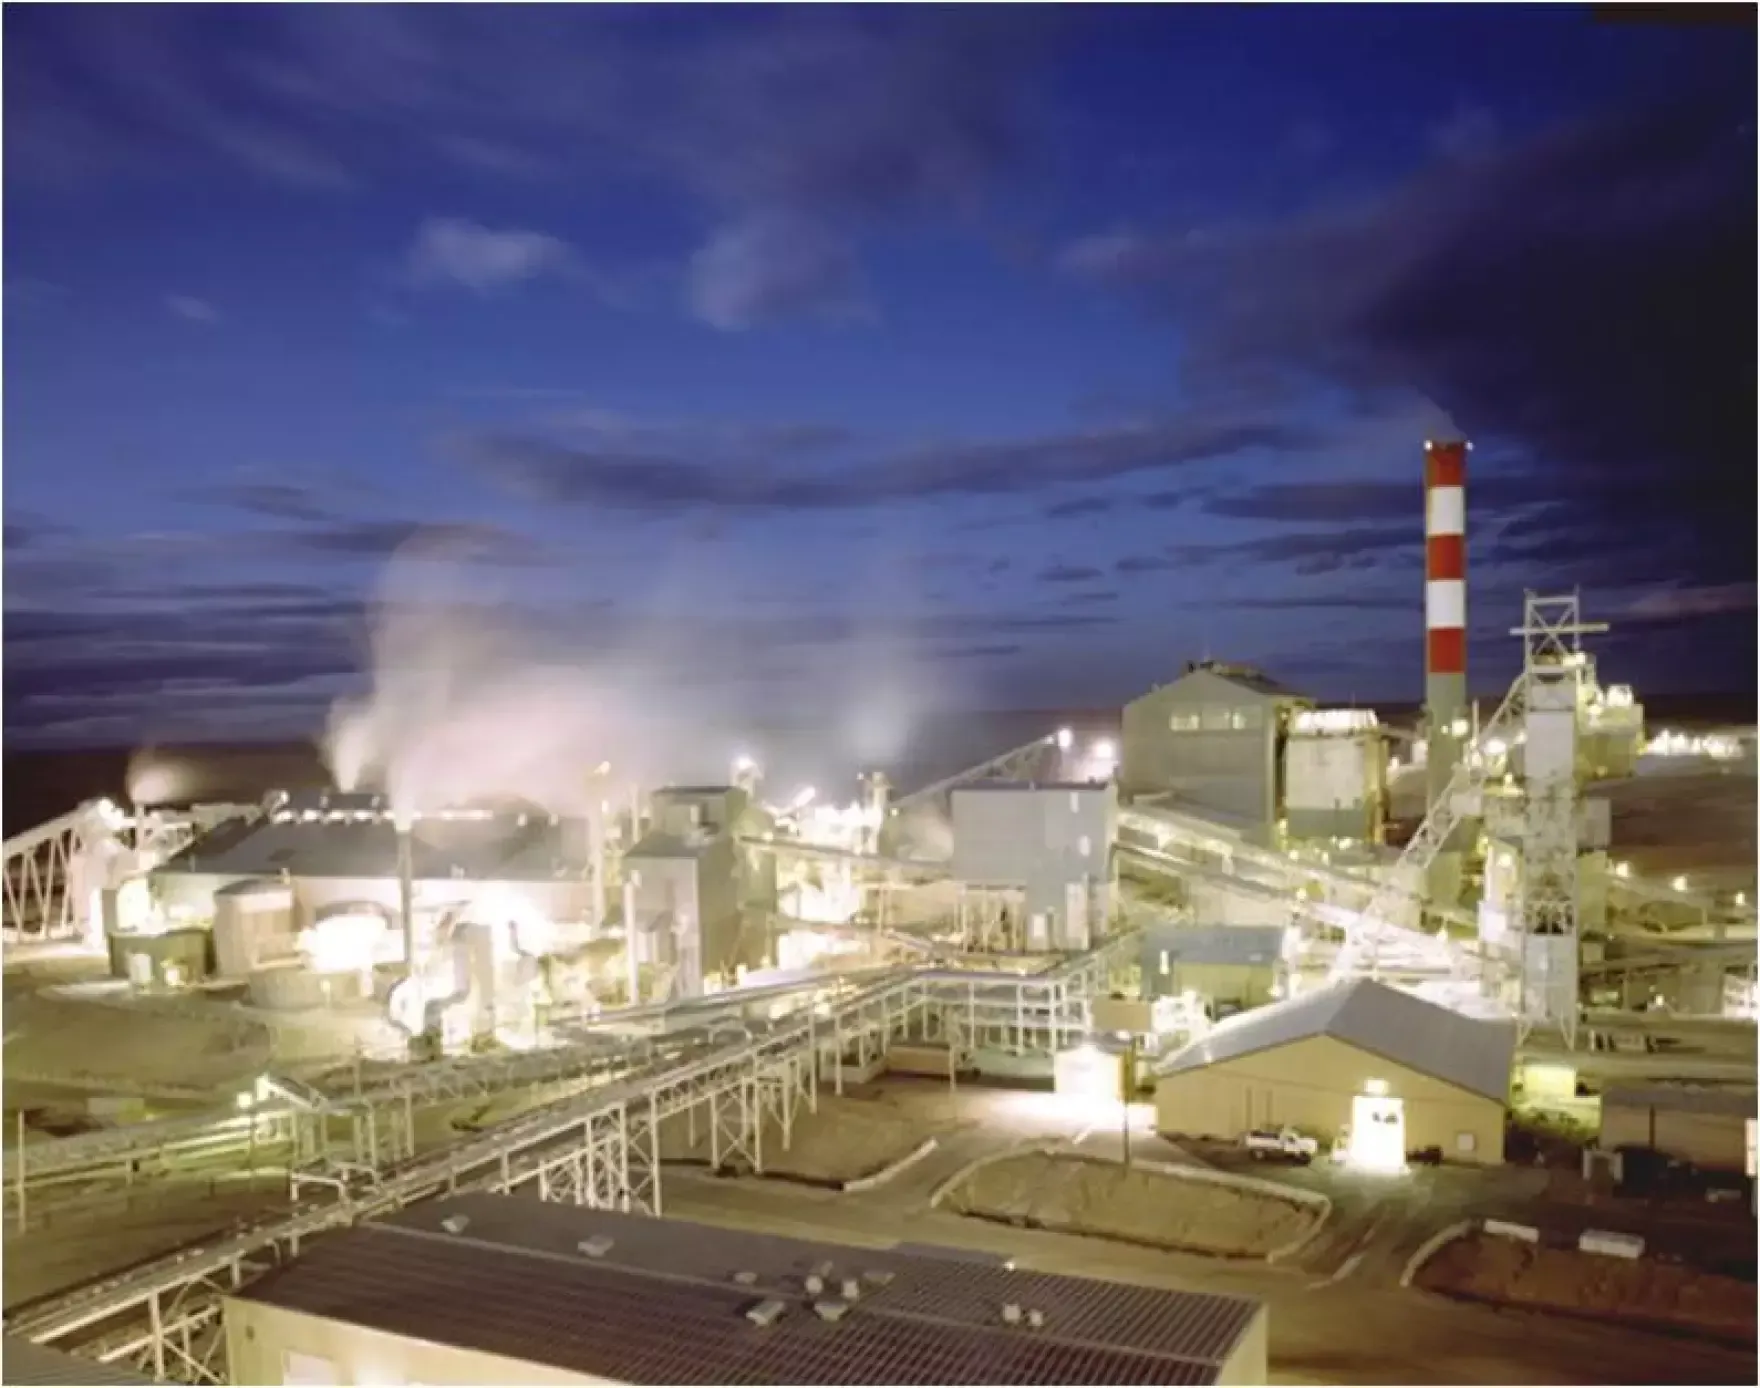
(1546, 935)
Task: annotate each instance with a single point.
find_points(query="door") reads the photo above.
(1075, 915)
(1378, 1133)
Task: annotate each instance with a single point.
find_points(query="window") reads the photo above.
(307, 1369)
(1085, 846)
(1184, 722)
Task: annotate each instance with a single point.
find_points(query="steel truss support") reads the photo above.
(600, 1148)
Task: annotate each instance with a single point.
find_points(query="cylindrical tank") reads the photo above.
(295, 988)
(253, 925)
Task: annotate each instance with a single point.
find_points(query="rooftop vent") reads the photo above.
(1036, 1319)
(821, 1269)
(745, 1277)
(815, 1284)
(597, 1246)
(852, 1289)
(767, 1312)
(1011, 1313)
(455, 1224)
(828, 1310)
(877, 1277)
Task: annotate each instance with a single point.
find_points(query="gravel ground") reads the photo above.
(1640, 1291)
(118, 1229)
(126, 1051)
(1136, 1204)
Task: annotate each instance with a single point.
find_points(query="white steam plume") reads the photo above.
(472, 699)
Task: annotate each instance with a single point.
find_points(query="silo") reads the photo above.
(253, 925)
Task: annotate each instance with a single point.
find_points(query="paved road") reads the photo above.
(1359, 1329)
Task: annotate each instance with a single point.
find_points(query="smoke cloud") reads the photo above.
(474, 699)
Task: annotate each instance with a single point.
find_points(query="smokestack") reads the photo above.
(1445, 605)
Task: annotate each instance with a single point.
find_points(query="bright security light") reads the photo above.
(1065, 739)
(1104, 750)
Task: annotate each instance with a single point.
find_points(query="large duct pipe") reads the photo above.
(632, 970)
(1445, 607)
(406, 893)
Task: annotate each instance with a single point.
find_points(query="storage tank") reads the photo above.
(174, 959)
(253, 925)
(292, 987)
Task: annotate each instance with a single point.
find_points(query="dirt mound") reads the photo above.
(1135, 1204)
(1559, 1279)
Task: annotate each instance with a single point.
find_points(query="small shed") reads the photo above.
(1704, 1126)
(1396, 1073)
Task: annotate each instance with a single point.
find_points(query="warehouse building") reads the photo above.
(1387, 1072)
(1713, 1129)
(320, 850)
(500, 1289)
(1044, 854)
(1213, 741)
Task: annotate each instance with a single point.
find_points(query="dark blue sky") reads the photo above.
(1038, 350)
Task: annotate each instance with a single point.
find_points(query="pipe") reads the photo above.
(406, 893)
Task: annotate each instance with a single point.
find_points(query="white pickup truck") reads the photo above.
(1283, 1144)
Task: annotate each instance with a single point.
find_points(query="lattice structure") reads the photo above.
(598, 1148)
(1369, 936)
(1546, 925)
(42, 902)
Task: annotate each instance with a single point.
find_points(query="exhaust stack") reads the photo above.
(1445, 608)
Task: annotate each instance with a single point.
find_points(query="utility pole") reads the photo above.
(1128, 1086)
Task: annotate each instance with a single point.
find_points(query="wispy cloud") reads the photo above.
(453, 252)
(771, 267)
(633, 478)
(191, 309)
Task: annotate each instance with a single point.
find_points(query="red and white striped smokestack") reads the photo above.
(1445, 604)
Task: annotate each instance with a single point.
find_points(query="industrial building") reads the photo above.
(496, 1289)
(1395, 1073)
(1713, 1129)
(1035, 861)
(23, 1362)
(1212, 740)
(1335, 776)
(1230, 967)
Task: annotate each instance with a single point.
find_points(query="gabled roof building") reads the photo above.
(1327, 1060)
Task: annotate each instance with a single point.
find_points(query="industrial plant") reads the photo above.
(1244, 908)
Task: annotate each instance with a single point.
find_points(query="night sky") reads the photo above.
(1035, 352)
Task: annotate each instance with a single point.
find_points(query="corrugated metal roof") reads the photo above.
(1672, 1098)
(499, 849)
(661, 1304)
(1437, 1041)
(22, 1361)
